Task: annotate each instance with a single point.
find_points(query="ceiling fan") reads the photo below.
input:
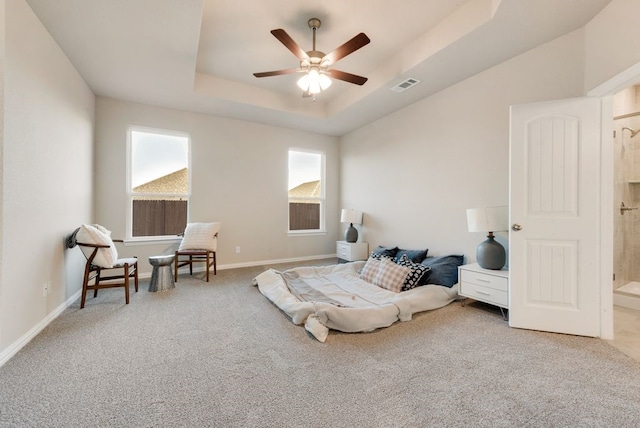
(315, 64)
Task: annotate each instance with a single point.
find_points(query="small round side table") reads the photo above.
(162, 274)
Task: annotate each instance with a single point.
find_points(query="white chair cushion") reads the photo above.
(200, 236)
(98, 235)
(129, 260)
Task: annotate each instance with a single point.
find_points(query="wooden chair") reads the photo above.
(118, 275)
(100, 251)
(195, 256)
(199, 245)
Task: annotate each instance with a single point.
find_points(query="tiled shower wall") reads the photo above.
(626, 187)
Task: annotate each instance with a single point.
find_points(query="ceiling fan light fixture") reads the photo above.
(324, 81)
(314, 64)
(303, 82)
(314, 82)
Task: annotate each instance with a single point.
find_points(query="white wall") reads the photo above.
(415, 172)
(239, 177)
(46, 174)
(611, 42)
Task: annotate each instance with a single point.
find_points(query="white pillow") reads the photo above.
(200, 236)
(98, 235)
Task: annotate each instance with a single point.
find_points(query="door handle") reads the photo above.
(516, 227)
(624, 208)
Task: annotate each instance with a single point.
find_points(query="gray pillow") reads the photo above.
(416, 256)
(444, 270)
(385, 251)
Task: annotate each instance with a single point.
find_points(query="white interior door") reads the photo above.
(554, 263)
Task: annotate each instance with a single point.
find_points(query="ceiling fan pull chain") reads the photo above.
(314, 38)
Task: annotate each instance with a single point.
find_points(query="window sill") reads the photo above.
(306, 233)
(153, 240)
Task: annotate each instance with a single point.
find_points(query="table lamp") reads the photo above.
(490, 254)
(351, 216)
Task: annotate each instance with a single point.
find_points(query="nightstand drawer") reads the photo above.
(498, 283)
(344, 251)
(485, 294)
(352, 251)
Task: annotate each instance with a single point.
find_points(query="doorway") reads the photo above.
(626, 221)
(626, 198)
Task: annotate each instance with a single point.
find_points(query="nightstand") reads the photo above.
(485, 285)
(352, 251)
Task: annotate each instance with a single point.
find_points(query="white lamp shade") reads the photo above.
(490, 219)
(351, 216)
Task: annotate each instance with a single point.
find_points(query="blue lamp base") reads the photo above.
(490, 254)
(351, 234)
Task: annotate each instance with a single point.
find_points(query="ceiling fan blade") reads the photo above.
(347, 77)
(277, 72)
(286, 40)
(351, 46)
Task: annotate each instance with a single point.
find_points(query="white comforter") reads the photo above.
(336, 298)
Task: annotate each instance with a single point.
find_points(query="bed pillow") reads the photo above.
(380, 256)
(416, 256)
(415, 276)
(444, 270)
(97, 235)
(391, 275)
(200, 236)
(384, 251)
(370, 270)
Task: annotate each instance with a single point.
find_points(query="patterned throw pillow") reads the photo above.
(391, 275)
(417, 272)
(370, 270)
(380, 256)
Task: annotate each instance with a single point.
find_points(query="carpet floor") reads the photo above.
(219, 354)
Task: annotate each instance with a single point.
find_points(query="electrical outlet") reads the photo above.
(238, 250)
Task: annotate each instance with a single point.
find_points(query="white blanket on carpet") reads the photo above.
(334, 297)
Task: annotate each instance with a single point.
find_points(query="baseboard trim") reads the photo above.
(16, 346)
(258, 263)
(626, 301)
(276, 261)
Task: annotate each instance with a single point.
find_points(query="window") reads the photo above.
(306, 191)
(158, 183)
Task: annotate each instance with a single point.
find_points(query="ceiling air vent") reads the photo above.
(403, 86)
